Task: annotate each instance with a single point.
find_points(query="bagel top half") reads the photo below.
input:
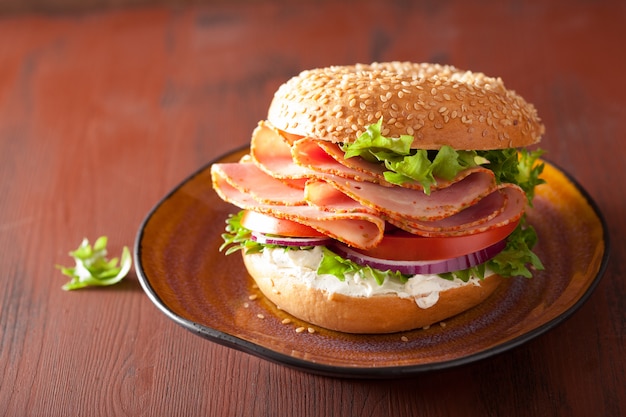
(436, 104)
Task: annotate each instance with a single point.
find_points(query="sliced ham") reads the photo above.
(314, 155)
(308, 181)
(403, 204)
(326, 157)
(271, 152)
(247, 178)
(361, 230)
(470, 223)
(325, 197)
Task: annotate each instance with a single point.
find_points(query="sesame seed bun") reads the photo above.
(436, 104)
(383, 313)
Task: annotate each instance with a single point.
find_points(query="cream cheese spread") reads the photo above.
(301, 266)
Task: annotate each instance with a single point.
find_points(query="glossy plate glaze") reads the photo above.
(184, 274)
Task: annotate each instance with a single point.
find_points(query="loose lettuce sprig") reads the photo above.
(92, 268)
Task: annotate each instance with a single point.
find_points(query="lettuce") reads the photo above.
(517, 167)
(405, 164)
(92, 268)
(516, 259)
(334, 264)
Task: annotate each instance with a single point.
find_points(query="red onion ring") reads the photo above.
(421, 267)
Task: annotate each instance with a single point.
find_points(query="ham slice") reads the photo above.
(469, 221)
(308, 181)
(247, 178)
(404, 204)
(315, 156)
(271, 152)
(361, 230)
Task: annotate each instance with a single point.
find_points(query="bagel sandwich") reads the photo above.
(385, 197)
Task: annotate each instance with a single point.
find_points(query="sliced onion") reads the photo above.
(421, 267)
(289, 241)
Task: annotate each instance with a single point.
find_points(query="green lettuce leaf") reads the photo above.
(334, 264)
(92, 268)
(516, 167)
(516, 259)
(405, 164)
(373, 146)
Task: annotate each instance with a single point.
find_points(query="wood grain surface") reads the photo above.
(103, 112)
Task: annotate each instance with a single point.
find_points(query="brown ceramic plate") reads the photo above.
(184, 274)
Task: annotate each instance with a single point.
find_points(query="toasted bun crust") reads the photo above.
(376, 314)
(436, 104)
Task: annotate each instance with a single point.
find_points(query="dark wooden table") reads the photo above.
(103, 112)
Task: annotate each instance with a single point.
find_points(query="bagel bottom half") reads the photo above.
(383, 313)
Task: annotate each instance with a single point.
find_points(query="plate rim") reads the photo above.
(236, 343)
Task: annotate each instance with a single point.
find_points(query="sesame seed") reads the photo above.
(286, 321)
(300, 329)
(261, 316)
(310, 330)
(253, 297)
(404, 339)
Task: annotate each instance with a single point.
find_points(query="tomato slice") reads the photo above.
(397, 245)
(404, 246)
(267, 224)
